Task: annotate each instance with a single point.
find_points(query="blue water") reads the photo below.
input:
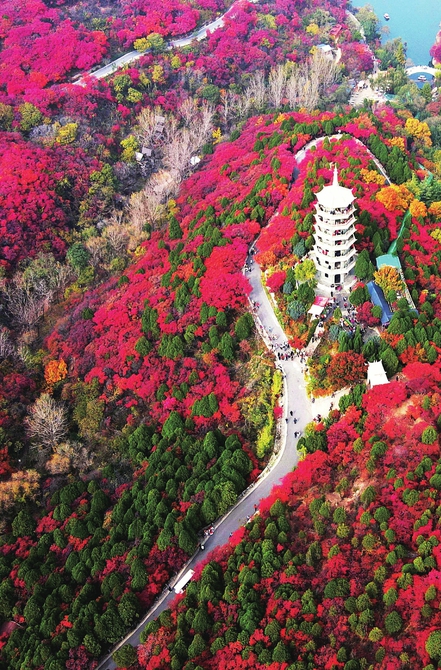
(416, 21)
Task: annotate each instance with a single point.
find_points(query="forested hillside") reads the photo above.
(138, 400)
(340, 568)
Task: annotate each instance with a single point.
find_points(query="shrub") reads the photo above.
(429, 435)
(78, 256)
(143, 346)
(368, 496)
(125, 656)
(433, 644)
(390, 597)
(381, 514)
(337, 588)
(87, 314)
(393, 623)
(296, 309)
(430, 593)
(339, 515)
(378, 449)
(369, 542)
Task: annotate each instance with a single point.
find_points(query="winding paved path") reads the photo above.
(285, 456)
(294, 399)
(179, 42)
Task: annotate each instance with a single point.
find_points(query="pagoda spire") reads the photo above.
(335, 180)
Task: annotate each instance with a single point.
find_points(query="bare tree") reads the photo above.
(292, 89)
(204, 130)
(256, 90)
(276, 85)
(97, 247)
(188, 110)
(244, 104)
(45, 270)
(26, 301)
(228, 108)
(146, 207)
(198, 120)
(310, 80)
(24, 354)
(146, 127)
(68, 455)
(177, 154)
(193, 78)
(322, 69)
(171, 129)
(309, 91)
(47, 422)
(117, 237)
(29, 293)
(6, 347)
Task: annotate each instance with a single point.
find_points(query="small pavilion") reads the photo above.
(376, 375)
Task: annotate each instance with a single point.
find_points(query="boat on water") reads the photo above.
(387, 17)
(422, 78)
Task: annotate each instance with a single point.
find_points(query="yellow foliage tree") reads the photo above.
(22, 486)
(267, 20)
(388, 279)
(154, 41)
(216, 135)
(313, 29)
(175, 62)
(397, 142)
(141, 44)
(418, 129)
(418, 208)
(158, 74)
(130, 147)
(372, 177)
(265, 438)
(436, 234)
(58, 464)
(67, 134)
(395, 198)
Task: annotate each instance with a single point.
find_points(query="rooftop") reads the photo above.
(377, 297)
(376, 374)
(388, 259)
(334, 195)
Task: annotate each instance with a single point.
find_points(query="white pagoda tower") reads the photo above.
(334, 235)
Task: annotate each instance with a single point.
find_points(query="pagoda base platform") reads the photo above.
(330, 290)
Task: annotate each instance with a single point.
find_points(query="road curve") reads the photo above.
(180, 42)
(294, 399)
(285, 457)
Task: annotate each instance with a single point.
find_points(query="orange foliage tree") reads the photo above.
(346, 368)
(435, 209)
(397, 142)
(55, 371)
(395, 198)
(418, 208)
